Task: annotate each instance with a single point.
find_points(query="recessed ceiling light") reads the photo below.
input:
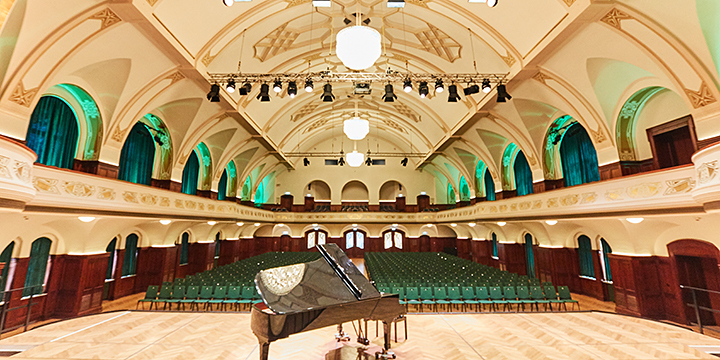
(240, 223)
(453, 225)
(471, 224)
(322, 3)
(501, 223)
(165, 222)
(396, 3)
(551, 222)
(211, 223)
(257, 224)
(86, 218)
(635, 220)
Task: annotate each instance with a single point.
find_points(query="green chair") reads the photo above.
(206, 293)
(246, 296)
(401, 295)
(483, 297)
(536, 294)
(497, 297)
(523, 294)
(177, 295)
(218, 297)
(455, 297)
(441, 298)
(233, 295)
(150, 295)
(163, 296)
(191, 296)
(426, 297)
(384, 289)
(412, 297)
(511, 298)
(468, 295)
(552, 296)
(256, 296)
(565, 297)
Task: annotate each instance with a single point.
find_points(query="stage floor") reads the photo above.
(166, 335)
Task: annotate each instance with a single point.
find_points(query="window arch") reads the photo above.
(36, 276)
(354, 238)
(246, 191)
(184, 248)
(315, 237)
(464, 189)
(6, 258)
(137, 156)
(578, 157)
(222, 186)
(451, 199)
(585, 257)
(606, 250)
(529, 256)
(523, 175)
(393, 238)
(489, 186)
(53, 132)
(129, 266)
(111, 249)
(190, 174)
(493, 238)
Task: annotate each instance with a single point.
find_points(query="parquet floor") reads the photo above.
(180, 336)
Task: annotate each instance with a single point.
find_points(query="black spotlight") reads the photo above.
(277, 86)
(472, 89)
(439, 86)
(341, 161)
(407, 86)
(264, 95)
(308, 85)
(368, 161)
(327, 95)
(389, 94)
(292, 89)
(404, 161)
(306, 162)
(423, 89)
(503, 95)
(486, 86)
(245, 89)
(230, 86)
(228, 2)
(453, 94)
(214, 94)
(492, 3)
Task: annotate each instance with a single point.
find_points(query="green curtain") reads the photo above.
(489, 187)
(184, 248)
(494, 245)
(53, 132)
(585, 257)
(190, 174)
(222, 186)
(606, 249)
(523, 175)
(464, 189)
(137, 156)
(130, 260)
(111, 260)
(260, 195)
(578, 157)
(37, 266)
(218, 242)
(6, 258)
(450, 194)
(529, 256)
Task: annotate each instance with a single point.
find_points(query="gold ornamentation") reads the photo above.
(4, 167)
(276, 42)
(543, 78)
(589, 198)
(105, 193)
(509, 59)
(190, 204)
(707, 171)
(78, 189)
(21, 96)
(552, 203)
(152, 2)
(118, 134)
(569, 200)
(208, 59)
(130, 197)
(525, 205)
(292, 3)
(513, 207)
(407, 112)
(701, 97)
(179, 204)
(394, 125)
(679, 186)
(644, 190)
(175, 77)
(569, 2)
(201, 207)
(493, 209)
(503, 208)
(436, 41)
(305, 110)
(613, 195)
(148, 199)
(315, 125)
(614, 17)
(211, 207)
(23, 171)
(107, 17)
(47, 185)
(537, 204)
(599, 135)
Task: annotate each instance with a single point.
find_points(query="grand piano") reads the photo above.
(307, 296)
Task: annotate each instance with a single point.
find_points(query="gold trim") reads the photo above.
(546, 35)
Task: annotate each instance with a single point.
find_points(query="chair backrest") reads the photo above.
(411, 293)
(384, 289)
(564, 293)
(468, 293)
(400, 291)
(536, 293)
(152, 292)
(426, 293)
(509, 293)
(454, 293)
(247, 292)
(206, 292)
(550, 292)
(165, 292)
(178, 292)
(234, 292)
(441, 293)
(481, 292)
(192, 292)
(496, 293)
(523, 293)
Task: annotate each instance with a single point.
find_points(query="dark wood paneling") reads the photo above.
(175, 186)
(230, 252)
(464, 249)
(701, 144)
(512, 258)
(636, 167)
(610, 171)
(86, 166)
(161, 184)
(107, 170)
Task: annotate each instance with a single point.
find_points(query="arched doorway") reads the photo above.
(696, 264)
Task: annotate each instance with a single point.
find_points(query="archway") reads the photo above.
(578, 156)
(319, 190)
(53, 132)
(523, 175)
(190, 174)
(137, 155)
(390, 190)
(696, 264)
(355, 192)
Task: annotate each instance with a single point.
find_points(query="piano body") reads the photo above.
(325, 292)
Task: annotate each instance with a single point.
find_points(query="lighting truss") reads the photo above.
(339, 154)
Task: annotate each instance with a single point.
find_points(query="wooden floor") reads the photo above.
(172, 335)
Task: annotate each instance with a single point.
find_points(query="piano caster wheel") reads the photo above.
(363, 341)
(385, 354)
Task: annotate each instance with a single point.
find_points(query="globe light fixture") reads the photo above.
(356, 128)
(358, 47)
(355, 159)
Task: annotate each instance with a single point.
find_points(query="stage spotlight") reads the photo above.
(245, 89)
(306, 162)
(396, 3)
(214, 94)
(407, 85)
(439, 86)
(486, 86)
(230, 86)
(423, 89)
(327, 95)
(263, 96)
(368, 161)
(389, 94)
(472, 89)
(308, 85)
(341, 162)
(228, 2)
(292, 89)
(404, 162)
(503, 95)
(453, 94)
(277, 86)
(492, 3)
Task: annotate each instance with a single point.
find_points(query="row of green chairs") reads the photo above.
(211, 297)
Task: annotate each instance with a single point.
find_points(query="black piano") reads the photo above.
(307, 296)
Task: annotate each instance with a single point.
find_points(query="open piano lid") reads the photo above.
(330, 280)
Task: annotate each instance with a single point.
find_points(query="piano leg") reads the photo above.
(386, 353)
(341, 335)
(264, 350)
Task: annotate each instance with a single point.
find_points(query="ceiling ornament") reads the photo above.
(437, 42)
(307, 109)
(208, 59)
(276, 42)
(614, 17)
(394, 125)
(317, 124)
(152, 2)
(175, 77)
(509, 59)
(107, 17)
(542, 77)
(569, 2)
(292, 3)
(407, 112)
(701, 97)
(21, 96)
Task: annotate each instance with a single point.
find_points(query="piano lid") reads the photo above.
(331, 280)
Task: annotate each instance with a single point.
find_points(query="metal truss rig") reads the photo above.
(340, 154)
(327, 76)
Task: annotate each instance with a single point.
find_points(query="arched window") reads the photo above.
(137, 156)
(6, 258)
(494, 244)
(585, 257)
(451, 194)
(578, 157)
(37, 267)
(606, 250)
(529, 256)
(222, 186)
(523, 175)
(464, 189)
(393, 238)
(190, 174)
(184, 248)
(260, 194)
(53, 132)
(130, 259)
(110, 271)
(489, 187)
(246, 189)
(354, 238)
(218, 244)
(315, 237)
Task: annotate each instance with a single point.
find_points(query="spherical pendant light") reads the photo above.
(355, 159)
(358, 47)
(356, 128)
